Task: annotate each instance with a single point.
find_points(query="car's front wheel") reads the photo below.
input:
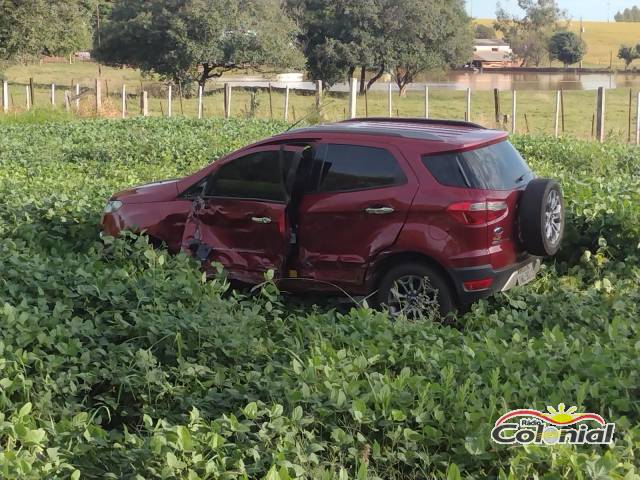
(415, 291)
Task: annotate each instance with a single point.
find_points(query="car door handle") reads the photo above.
(379, 210)
(260, 219)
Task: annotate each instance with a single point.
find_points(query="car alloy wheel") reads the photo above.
(414, 297)
(553, 218)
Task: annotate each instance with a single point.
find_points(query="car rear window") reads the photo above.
(494, 167)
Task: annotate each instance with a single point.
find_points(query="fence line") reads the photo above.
(471, 109)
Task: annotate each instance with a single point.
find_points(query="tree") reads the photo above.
(195, 40)
(628, 15)
(42, 27)
(340, 37)
(529, 36)
(628, 54)
(484, 31)
(425, 34)
(567, 47)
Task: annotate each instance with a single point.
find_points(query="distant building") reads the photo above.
(492, 53)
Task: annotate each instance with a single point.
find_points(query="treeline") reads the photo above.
(628, 15)
(196, 40)
(192, 41)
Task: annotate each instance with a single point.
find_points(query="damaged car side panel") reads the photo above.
(163, 221)
(246, 237)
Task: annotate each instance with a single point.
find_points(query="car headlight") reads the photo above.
(112, 206)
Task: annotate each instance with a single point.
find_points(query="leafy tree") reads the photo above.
(567, 47)
(425, 34)
(628, 54)
(42, 27)
(386, 35)
(628, 15)
(340, 37)
(187, 40)
(484, 31)
(529, 36)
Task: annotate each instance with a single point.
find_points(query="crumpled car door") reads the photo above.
(247, 237)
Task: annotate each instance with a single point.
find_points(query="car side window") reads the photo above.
(344, 168)
(257, 176)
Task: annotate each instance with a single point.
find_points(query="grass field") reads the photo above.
(603, 40)
(119, 361)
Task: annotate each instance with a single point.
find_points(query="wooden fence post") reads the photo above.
(556, 118)
(286, 103)
(53, 94)
(145, 104)
(123, 96)
(513, 111)
(496, 105)
(28, 97)
(318, 93)
(390, 100)
(630, 107)
(271, 101)
(468, 112)
(366, 102)
(227, 100)
(200, 101)
(638, 119)
(31, 93)
(600, 107)
(562, 109)
(170, 101)
(77, 96)
(98, 95)
(5, 96)
(353, 97)
(426, 101)
(67, 103)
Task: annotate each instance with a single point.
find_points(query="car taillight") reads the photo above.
(474, 285)
(477, 213)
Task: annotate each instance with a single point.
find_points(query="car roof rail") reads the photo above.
(417, 120)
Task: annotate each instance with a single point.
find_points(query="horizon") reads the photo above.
(588, 10)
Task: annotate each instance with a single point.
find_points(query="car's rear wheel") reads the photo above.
(541, 217)
(415, 291)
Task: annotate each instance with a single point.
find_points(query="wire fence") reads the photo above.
(571, 112)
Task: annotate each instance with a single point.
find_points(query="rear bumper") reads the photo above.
(503, 279)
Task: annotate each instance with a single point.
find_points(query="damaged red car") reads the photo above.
(411, 213)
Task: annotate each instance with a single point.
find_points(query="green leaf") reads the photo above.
(272, 474)
(184, 439)
(297, 413)
(398, 415)
(35, 436)
(251, 410)
(25, 410)
(453, 472)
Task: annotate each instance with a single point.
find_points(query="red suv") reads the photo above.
(413, 213)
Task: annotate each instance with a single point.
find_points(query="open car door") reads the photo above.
(240, 218)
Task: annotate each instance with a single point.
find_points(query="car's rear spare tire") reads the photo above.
(541, 217)
(415, 290)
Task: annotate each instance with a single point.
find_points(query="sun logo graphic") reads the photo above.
(555, 426)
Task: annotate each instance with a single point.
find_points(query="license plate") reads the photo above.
(527, 273)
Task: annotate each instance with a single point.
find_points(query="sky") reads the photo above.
(587, 9)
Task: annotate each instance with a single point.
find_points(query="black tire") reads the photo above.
(541, 221)
(443, 296)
